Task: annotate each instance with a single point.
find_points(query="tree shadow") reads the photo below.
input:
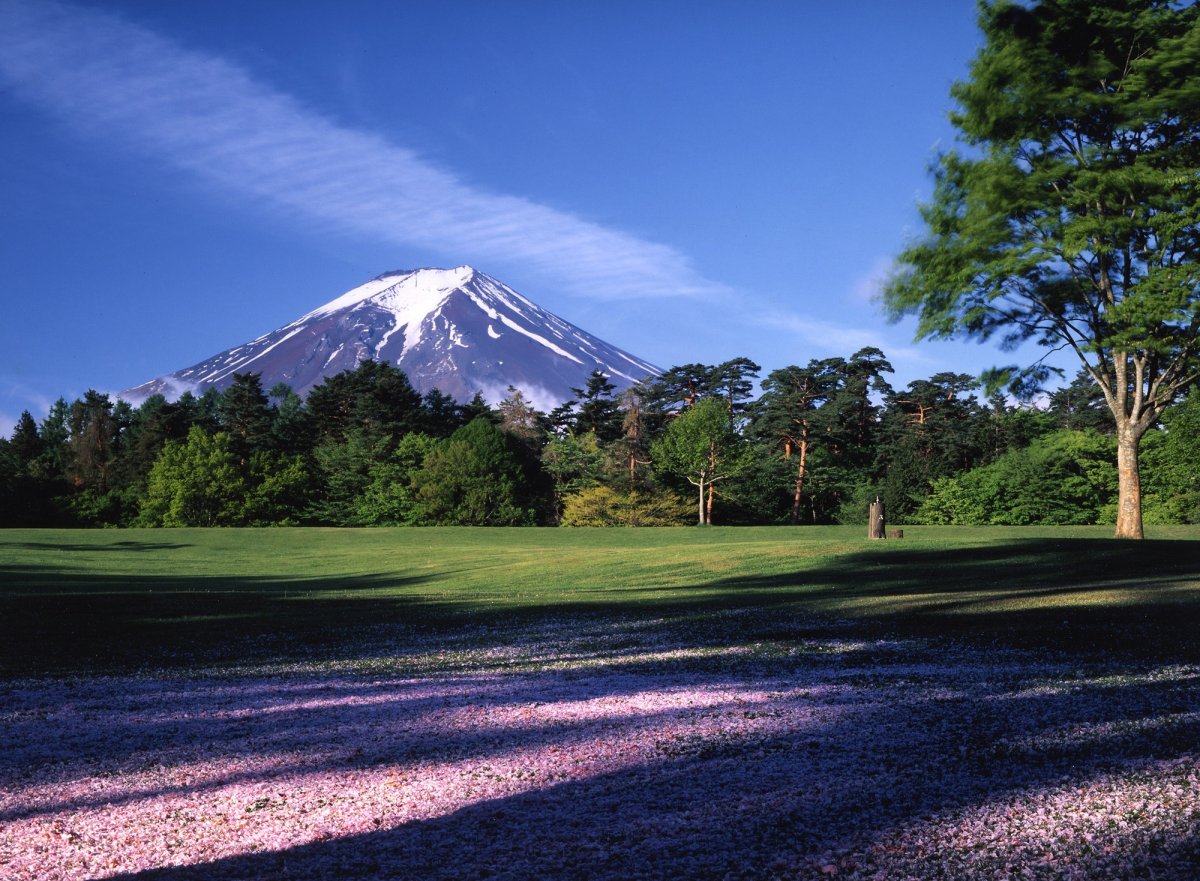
(105, 546)
(1097, 597)
(70, 620)
(929, 736)
(1075, 595)
(759, 806)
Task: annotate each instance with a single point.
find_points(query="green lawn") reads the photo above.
(111, 599)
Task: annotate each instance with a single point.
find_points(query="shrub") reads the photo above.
(604, 506)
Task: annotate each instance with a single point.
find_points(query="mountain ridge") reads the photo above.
(457, 330)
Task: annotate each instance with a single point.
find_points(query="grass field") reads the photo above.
(103, 599)
(612, 704)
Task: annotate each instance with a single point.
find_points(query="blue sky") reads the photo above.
(691, 182)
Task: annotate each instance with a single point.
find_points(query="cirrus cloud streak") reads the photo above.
(109, 78)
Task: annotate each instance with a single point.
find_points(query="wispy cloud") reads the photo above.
(826, 339)
(212, 118)
(17, 393)
(868, 286)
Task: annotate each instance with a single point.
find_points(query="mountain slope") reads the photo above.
(457, 330)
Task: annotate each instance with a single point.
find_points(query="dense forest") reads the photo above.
(701, 443)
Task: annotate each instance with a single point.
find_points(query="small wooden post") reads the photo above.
(877, 527)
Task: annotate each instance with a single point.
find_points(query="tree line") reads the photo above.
(700, 443)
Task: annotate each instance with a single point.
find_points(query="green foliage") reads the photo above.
(195, 483)
(596, 410)
(246, 415)
(679, 388)
(605, 506)
(1071, 217)
(202, 482)
(1062, 479)
(792, 418)
(733, 382)
(278, 490)
(442, 415)
(472, 479)
(1171, 462)
(630, 453)
(11, 473)
(520, 419)
(388, 498)
(574, 462)
(343, 469)
(933, 428)
(854, 505)
(375, 398)
(117, 507)
(1003, 428)
(26, 445)
(476, 408)
(1080, 405)
(954, 503)
(289, 422)
(822, 421)
(762, 492)
(922, 449)
(54, 461)
(95, 432)
(701, 447)
(151, 426)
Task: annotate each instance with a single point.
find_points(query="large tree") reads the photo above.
(95, 433)
(374, 397)
(472, 478)
(246, 415)
(701, 447)
(734, 381)
(195, 483)
(788, 415)
(596, 410)
(1071, 213)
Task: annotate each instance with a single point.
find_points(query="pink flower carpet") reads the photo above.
(576, 751)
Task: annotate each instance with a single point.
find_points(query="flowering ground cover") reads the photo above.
(748, 739)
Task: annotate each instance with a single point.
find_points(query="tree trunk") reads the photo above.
(712, 470)
(877, 527)
(700, 522)
(1129, 486)
(799, 483)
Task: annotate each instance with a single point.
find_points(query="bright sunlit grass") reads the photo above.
(89, 598)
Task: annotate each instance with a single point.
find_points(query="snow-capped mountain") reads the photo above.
(457, 330)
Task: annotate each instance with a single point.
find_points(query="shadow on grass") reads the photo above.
(105, 546)
(1075, 595)
(67, 620)
(1070, 595)
(722, 809)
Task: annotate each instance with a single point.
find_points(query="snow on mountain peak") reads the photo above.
(416, 286)
(457, 330)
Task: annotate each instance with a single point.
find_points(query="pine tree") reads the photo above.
(734, 382)
(26, 443)
(246, 416)
(597, 411)
(789, 417)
